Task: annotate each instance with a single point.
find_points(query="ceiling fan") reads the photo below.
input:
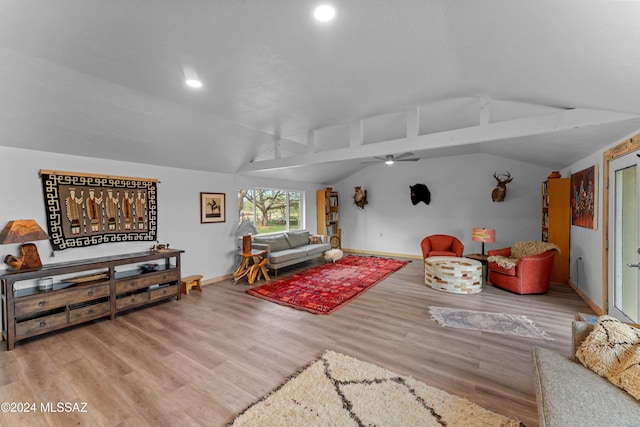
(390, 159)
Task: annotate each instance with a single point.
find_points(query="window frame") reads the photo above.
(287, 208)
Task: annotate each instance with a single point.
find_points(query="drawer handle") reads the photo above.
(132, 284)
(90, 311)
(164, 292)
(42, 303)
(133, 300)
(43, 323)
(164, 277)
(90, 293)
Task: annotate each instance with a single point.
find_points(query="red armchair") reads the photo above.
(441, 245)
(531, 275)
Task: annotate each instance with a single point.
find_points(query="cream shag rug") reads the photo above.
(338, 390)
(498, 323)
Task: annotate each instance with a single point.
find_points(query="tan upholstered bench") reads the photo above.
(191, 282)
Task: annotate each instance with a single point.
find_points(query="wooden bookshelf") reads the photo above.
(328, 208)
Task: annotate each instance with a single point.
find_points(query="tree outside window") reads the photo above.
(271, 210)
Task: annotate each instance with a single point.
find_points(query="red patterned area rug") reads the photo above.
(326, 288)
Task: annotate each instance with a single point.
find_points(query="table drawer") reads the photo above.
(34, 326)
(131, 300)
(60, 299)
(164, 292)
(143, 281)
(89, 312)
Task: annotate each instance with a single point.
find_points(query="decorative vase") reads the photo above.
(554, 175)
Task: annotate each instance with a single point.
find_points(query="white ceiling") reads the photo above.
(547, 82)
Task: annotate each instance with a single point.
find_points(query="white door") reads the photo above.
(624, 244)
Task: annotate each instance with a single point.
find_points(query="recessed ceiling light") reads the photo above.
(324, 13)
(194, 83)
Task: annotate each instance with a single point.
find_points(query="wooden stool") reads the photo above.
(191, 282)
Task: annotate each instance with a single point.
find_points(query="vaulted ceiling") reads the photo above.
(284, 96)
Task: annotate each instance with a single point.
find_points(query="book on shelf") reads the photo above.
(545, 187)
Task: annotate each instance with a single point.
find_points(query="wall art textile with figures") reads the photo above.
(85, 209)
(584, 200)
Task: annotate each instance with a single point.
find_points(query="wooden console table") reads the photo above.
(114, 284)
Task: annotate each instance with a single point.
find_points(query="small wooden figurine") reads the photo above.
(29, 258)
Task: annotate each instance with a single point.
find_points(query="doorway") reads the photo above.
(624, 242)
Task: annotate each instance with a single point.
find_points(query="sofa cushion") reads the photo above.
(316, 249)
(612, 350)
(286, 255)
(568, 394)
(297, 238)
(276, 243)
(440, 243)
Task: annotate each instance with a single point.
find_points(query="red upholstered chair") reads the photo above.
(441, 245)
(531, 275)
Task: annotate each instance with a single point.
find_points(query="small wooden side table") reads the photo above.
(253, 266)
(485, 264)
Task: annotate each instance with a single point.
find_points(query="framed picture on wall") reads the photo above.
(584, 198)
(212, 208)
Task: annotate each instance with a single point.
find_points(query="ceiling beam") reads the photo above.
(537, 125)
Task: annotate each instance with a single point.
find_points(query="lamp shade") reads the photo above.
(483, 235)
(21, 231)
(246, 227)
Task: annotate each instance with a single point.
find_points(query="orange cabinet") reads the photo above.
(556, 223)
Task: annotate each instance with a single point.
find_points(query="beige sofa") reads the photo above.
(290, 248)
(568, 394)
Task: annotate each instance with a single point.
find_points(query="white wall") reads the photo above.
(586, 243)
(209, 248)
(460, 189)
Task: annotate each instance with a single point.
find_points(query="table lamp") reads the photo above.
(23, 231)
(483, 235)
(246, 229)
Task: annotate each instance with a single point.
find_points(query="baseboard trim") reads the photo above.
(387, 254)
(216, 279)
(595, 307)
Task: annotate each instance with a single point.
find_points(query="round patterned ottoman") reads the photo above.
(453, 274)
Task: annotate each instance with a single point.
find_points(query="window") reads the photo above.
(271, 210)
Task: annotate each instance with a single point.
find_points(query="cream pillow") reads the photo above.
(627, 376)
(612, 350)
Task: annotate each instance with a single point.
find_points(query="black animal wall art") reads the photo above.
(420, 193)
(360, 197)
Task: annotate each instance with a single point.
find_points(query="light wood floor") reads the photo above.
(203, 359)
